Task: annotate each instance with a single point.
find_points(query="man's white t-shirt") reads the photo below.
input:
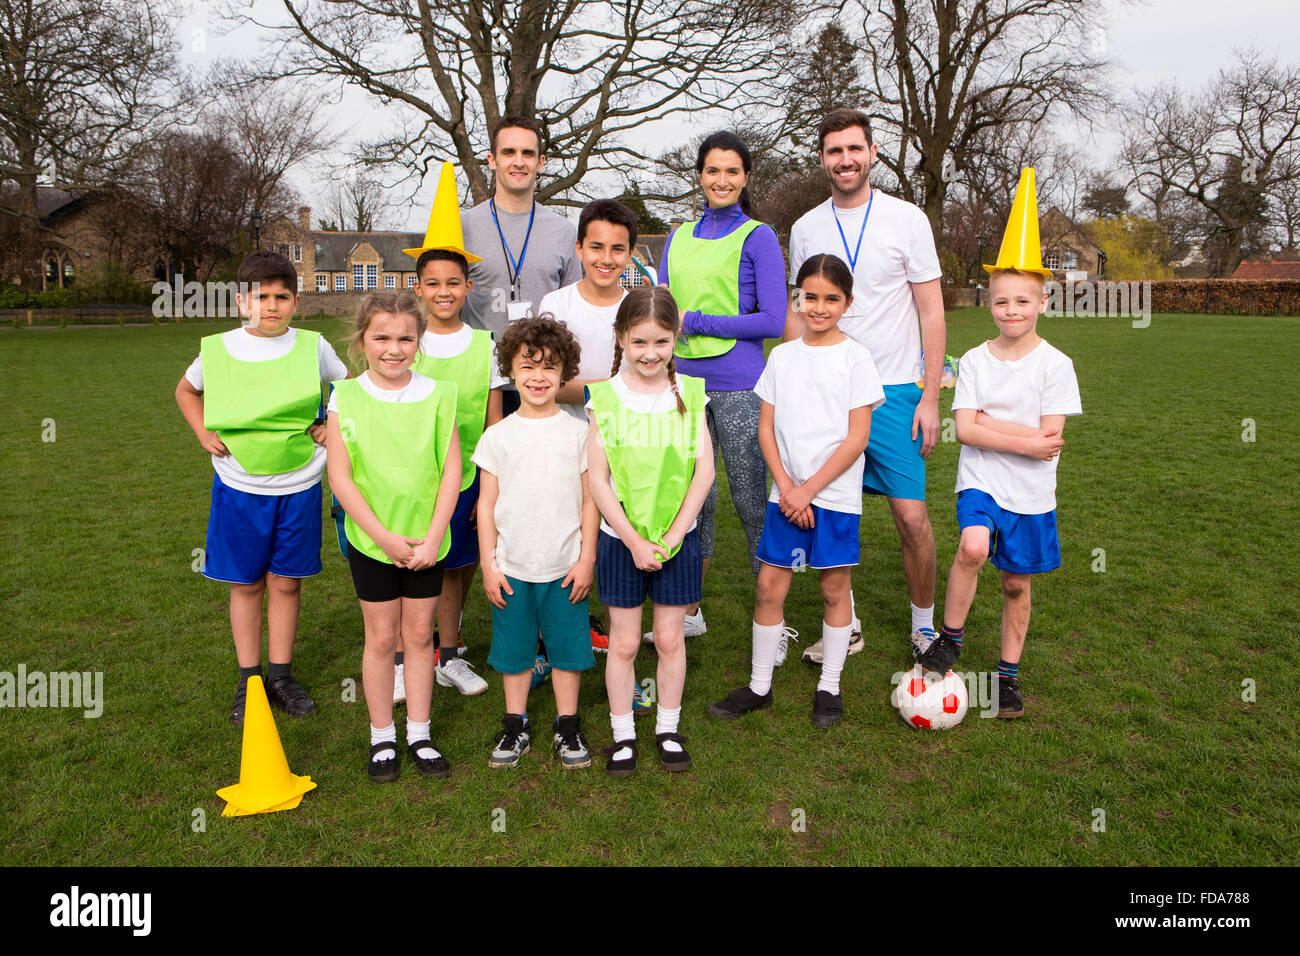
(1020, 392)
(644, 403)
(897, 250)
(248, 347)
(592, 326)
(457, 343)
(812, 390)
(538, 464)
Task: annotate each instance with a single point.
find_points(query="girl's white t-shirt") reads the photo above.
(812, 389)
(643, 403)
(457, 343)
(592, 326)
(417, 389)
(897, 250)
(1020, 392)
(247, 347)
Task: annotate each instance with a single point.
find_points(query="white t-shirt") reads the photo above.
(1021, 392)
(417, 389)
(897, 250)
(538, 464)
(812, 390)
(457, 343)
(643, 403)
(248, 347)
(592, 326)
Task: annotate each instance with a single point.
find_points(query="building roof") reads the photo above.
(1259, 269)
(333, 249)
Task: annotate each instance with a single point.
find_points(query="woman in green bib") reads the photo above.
(394, 463)
(727, 273)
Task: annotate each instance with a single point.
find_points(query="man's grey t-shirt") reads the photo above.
(549, 263)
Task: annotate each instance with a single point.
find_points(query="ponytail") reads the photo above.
(745, 206)
(618, 358)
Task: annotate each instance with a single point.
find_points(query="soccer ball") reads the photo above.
(930, 704)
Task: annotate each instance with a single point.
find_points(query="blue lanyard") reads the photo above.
(853, 256)
(513, 268)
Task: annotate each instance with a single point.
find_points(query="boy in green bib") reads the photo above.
(252, 398)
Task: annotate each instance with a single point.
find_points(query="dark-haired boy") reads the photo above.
(537, 526)
(252, 398)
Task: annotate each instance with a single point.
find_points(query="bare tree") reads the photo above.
(593, 72)
(356, 202)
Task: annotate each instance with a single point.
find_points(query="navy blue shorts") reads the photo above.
(249, 535)
(622, 584)
(832, 541)
(1018, 544)
(464, 539)
(542, 608)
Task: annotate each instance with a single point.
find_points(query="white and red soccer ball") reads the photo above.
(929, 702)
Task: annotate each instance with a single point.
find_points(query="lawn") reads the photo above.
(1134, 675)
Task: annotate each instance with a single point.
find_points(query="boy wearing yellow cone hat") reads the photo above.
(451, 351)
(1013, 395)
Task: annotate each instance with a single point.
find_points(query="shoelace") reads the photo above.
(788, 634)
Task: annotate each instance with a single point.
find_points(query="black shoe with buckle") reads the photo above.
(241, 700)
(382, 771)
(739, 702)
(624, 766)
(673, 760)
(428, 766)
(285, 694)
(828, 709)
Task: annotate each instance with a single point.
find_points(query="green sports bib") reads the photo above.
(472, 373)
(262, 410)
(704, 275)
(398, 452)
(651, 456)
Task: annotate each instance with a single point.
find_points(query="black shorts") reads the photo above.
(380, 581)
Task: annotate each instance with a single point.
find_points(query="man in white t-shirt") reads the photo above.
(606, 236)
(889, 246)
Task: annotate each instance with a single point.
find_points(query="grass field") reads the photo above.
(1133, 676)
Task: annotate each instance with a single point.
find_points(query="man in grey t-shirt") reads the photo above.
(527, 249)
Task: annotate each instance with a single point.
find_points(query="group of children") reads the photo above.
(597, 477)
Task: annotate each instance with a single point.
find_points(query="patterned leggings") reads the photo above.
(733, 428)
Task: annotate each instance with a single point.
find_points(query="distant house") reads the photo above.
(1066, 247)
(1284, 265)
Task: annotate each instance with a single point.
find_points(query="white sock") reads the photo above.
(382, 735)
(853, 606)
(922, 617)
(624, 727)
(416, 732)
(763, 657)
(666, 723)
(835, 648)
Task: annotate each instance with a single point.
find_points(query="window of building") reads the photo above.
(340, 283)
(299, 283)
(358, 278)
(297, 252)
(410, 282)
(390, 281)
(322, 282)
(283, 249)
(372, 277)
(1052, 260)
(1070, 259)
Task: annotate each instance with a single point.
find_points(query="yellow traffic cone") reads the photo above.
(1020, 246)
(265, 783)
(444, 230)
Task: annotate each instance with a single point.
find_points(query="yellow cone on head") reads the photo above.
(444, 230)
(1020, 247)
(265, 783)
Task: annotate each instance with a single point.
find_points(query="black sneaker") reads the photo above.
(940, 656)
(512, 743)
(570, 745)
(285, 693)
(828, 709)
(1010, 703)
(740, 701)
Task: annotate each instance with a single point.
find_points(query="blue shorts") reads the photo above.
(622, 584)
(249, 535)
(894, 466)
(540, 608)
(1018, 544)
(464, 539)
(832, 541)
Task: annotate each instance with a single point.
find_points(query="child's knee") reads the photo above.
(283, 585)
(835, 589)
(1015, 586)
(382, 640)
(671, 643)
(973, 550)
(416, 637)
(623, 647)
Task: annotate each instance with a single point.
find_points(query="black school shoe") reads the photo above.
(285, 694)
(241, 700)
(673, 760)
(940, 656)
(436, 767)
(739, 702)
(382, 771)
(828, 709)
(1010, 703)
(624, 766)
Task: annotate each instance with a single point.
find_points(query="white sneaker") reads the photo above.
(922, 638)
(399, 684)
(694, 627)
(459, 673)
(815, 654)
(788, 634)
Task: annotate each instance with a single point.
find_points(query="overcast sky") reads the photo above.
(1149, 41)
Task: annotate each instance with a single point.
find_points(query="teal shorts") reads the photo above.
(894, 466)
(546, 609)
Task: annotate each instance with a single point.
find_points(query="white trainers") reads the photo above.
(694, 627)
(788, 634)
(399, 684)
(922, 638)
(459, 673)
(815, 655)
